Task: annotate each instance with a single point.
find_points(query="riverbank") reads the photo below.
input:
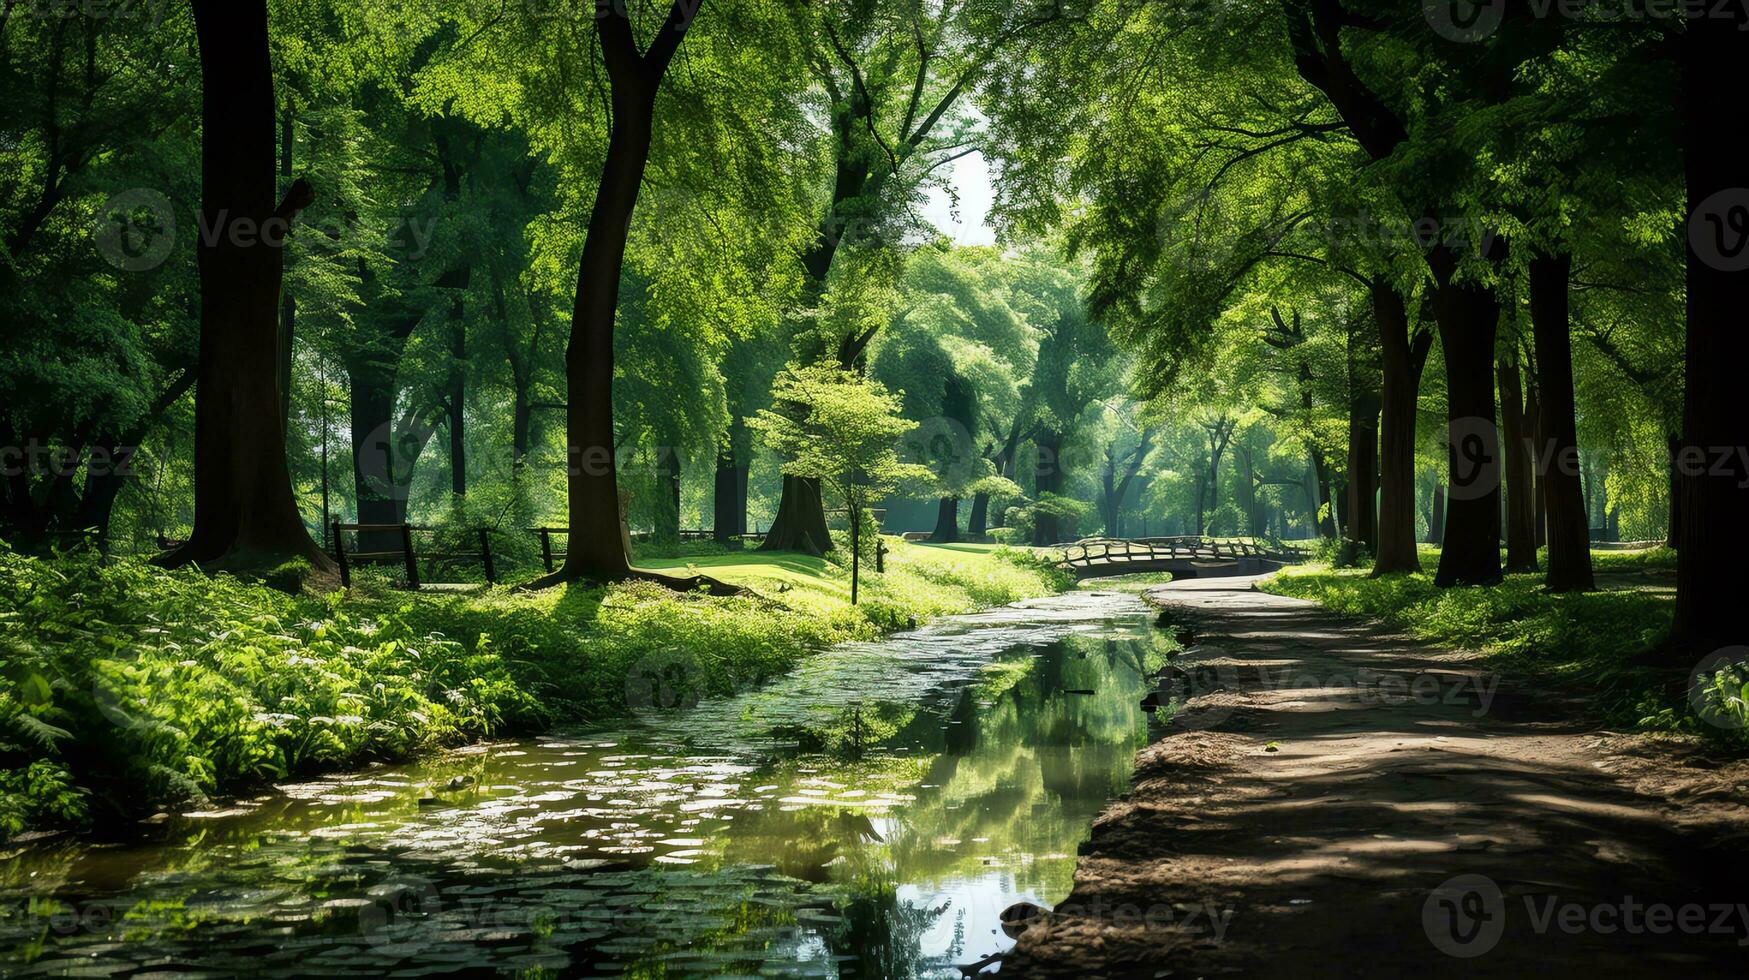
(126, 690)
(1346, 799)
(871, 812)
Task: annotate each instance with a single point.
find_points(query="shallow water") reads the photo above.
(869, 815)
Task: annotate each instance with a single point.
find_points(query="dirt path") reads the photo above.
(1337, 801)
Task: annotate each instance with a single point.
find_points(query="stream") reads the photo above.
(870, 814)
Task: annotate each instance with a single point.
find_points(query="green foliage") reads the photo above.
(1341, 553)
(158, 688)
(125, 689)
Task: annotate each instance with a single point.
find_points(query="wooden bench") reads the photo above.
(405, 555)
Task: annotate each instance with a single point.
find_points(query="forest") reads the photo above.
(384, 381)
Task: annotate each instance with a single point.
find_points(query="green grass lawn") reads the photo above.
(125, 688)
(1591, 643)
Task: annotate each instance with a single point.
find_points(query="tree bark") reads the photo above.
(1047, 479)
(1403, 358)
(1519, 468)
(1533, 420)
(729, 492)
(1363, 463)
(1436, 523)
(1467, 314)
(977, 524)
(376, 485)
(1324, 507)
(1712, 573)
(1468, 317)
(102, 486)
(288, 307)
(244, 513)
(947, 521)
(1563, 499)
(456, 400)
(978, 520)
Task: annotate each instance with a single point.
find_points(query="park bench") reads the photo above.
(404, 553)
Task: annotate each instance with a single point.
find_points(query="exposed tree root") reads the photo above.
(691, 583)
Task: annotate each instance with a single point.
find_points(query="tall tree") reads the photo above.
(1404, 356)
(896, 77)
(244, 512)
(1520, 461)
(597, 549)
(1712, 576)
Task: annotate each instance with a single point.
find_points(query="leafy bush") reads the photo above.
(1341, 553)
(125, 688)
(156, 687)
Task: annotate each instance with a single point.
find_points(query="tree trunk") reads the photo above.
(288, 307)
(1569, 533)
(855, 551)
(458, 456)
(800, 521)
(1468, 317)
(102, 485)
(1047, 479)
(1324, 507)
(1436, 523)
(1363, 462)
(597, 549)
(371, 413)
(1712, 573)
(977, 521)
(1519, 467)
(1673, 446)
(1395, 549)
(947, 521)
(729, 492)
(244, 513)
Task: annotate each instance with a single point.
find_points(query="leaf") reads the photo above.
(35, 690)
(41, 732)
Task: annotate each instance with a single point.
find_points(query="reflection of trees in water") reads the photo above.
(885, 936)
(1031, 768)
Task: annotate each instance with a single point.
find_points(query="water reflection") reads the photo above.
(870, 815)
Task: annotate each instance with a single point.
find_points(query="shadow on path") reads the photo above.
(1307, 811)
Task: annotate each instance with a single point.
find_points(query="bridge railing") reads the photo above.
(1119, 551)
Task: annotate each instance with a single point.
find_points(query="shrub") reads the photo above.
(125, 688)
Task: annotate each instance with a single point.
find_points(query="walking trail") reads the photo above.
(1335, 801)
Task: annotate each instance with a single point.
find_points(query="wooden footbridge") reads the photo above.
(1183, 557)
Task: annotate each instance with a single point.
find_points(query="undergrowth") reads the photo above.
(125, 689)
